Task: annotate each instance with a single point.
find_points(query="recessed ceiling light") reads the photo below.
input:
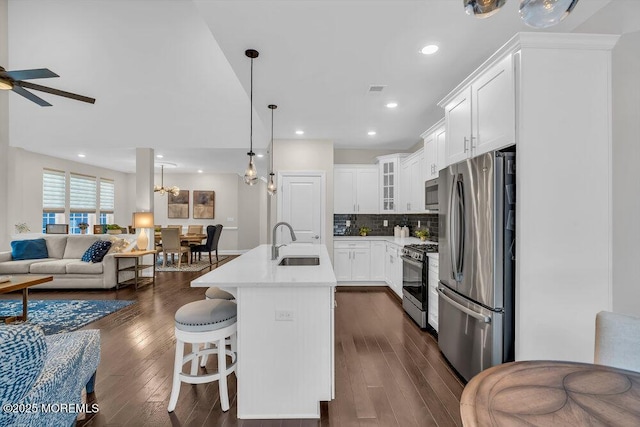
(371, 132)
(392, 105)
(199, 170)
(82, 155)
(259, 156)
(429, 49)
(159, 156)
(299, 132)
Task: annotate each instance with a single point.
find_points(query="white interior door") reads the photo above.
(302, 205)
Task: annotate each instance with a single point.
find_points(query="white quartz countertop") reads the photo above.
(400, 241)
(255, 268)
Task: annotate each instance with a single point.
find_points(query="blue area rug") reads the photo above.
(56, 316)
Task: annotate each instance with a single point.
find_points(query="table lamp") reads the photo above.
(142, 220)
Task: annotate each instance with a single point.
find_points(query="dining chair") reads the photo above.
(213, 237)
(171, 245)
(617, 341)
(194, 229)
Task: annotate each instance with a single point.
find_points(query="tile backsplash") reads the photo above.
(375, 223)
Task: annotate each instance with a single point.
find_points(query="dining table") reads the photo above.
(189, 238)
(551, 393)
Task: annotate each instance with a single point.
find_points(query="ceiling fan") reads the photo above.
(14, 80)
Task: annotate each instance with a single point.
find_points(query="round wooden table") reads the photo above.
(548, 393)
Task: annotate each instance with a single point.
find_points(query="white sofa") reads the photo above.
(65, 265)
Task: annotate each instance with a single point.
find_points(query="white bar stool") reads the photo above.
(216, 293)
(204, 321)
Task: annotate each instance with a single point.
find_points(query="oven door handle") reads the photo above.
(411, 261)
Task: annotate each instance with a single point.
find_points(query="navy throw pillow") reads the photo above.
(97, 251)
(29, 249)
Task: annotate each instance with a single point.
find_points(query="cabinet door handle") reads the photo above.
(472, 145)
(466, 140)
(354, 207)
(358, 208)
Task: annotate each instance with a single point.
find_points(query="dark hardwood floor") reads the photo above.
(388, 371)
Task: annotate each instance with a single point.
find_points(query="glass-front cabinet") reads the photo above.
(389, 167)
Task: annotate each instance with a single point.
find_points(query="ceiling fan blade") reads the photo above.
(39, 73)
(58, 92)
(30, 96)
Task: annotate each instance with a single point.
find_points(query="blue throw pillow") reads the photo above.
(97, 251)
(29, 249)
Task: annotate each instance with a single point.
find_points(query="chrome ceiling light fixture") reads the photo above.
(482, 8)
(271, 186)
(173, 190)
(534, 13)
(251, 174)
(545, 13)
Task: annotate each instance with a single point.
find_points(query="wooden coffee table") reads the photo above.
(551, 393)
(21, 282)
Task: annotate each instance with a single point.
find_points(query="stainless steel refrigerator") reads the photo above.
(477, 261)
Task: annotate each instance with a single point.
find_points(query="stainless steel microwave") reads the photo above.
(431, 194)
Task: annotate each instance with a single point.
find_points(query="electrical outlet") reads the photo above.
(284, 315)
(348, 223)
(418, 223)
(230, 219)
(385, 223)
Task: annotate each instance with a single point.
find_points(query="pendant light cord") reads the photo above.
(251, 113)
(271, 173)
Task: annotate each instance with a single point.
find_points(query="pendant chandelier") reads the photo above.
(173, 190)
(534, 13)
(251, 174)
(271, 187)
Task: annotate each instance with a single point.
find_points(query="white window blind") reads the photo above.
(53, 190)
(107, 196)
(82, 193)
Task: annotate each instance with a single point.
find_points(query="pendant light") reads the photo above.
(251, 174)
(545, 13)
(173, 190)
(271, 187)
(483, 8)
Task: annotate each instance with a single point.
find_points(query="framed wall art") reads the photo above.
(203, 204)
(178, 205)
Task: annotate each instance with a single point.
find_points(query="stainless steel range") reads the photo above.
(414, 281)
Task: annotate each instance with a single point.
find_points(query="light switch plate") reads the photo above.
(385, 223)
(348, 223)
(284, 315)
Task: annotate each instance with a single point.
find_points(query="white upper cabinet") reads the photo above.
(434, 150)
(389, 182)
(480, 117)
(412, 183)
(355, 189)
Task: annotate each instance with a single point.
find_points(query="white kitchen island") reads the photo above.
(285, 331)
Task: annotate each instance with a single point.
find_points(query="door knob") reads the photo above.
(316, 237)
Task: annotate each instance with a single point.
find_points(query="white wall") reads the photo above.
(251, 213)
(225, 186)
(365, 157)
(626, 175)
(4, 135)
(25, 187)
(301, 155)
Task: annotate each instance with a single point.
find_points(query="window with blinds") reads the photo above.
(107, 196)
(82, 193)
(53, 191)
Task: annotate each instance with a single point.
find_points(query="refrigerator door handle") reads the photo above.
(461, 231)
(474, 314)
(453, 240)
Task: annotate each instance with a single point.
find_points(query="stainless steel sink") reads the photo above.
(300, 260)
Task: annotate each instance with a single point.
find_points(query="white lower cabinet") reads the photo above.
(378, 252)
(432, 278)
(393, 268)
(351, 261)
